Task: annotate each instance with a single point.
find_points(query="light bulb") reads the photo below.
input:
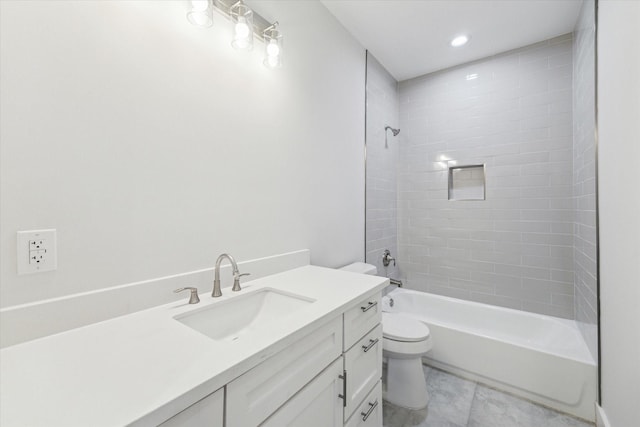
(242, 30)
(200, 5)
(200, 13)
(273, 49)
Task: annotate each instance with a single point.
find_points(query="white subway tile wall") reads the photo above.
(382, 160)
(512, 112)
(584, 172)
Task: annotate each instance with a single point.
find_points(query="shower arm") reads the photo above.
(393, 130)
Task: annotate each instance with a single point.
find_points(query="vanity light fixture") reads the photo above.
(272, 46)
(201, 13)
(460, 41)
(242, 18)
(247, 25)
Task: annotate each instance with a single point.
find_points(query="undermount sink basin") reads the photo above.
(243, 314)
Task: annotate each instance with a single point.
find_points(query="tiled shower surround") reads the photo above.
(584, 176)
(513, 113)
(382, 158)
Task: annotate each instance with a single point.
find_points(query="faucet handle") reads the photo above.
(193, 298)
(387, 258)
(236, 281)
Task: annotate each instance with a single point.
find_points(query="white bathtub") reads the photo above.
(541, 358)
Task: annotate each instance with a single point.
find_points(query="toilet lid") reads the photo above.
(403, 328)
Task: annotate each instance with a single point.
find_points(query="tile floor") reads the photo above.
(456, 402)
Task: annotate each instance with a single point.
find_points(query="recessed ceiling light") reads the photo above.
(460, 41)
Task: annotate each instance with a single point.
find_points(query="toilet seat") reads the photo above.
(398, 327)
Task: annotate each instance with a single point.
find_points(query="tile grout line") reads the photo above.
(473, 399)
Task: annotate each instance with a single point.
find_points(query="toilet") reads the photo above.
(405, 341)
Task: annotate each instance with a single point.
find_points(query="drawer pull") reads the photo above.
(372, 408)
(369, 306)
(371, 344)
(343, 396)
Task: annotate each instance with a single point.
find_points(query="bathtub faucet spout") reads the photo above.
(395, 282)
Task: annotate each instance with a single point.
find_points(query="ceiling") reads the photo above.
(411, 37)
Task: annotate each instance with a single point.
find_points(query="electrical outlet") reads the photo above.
(38, 256)
(36, 251)
(38, 244)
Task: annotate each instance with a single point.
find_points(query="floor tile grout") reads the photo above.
(475, 390)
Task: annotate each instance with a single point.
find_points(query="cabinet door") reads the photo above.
(206, 412)
(361, 318)
(316, 405)
(363, 364)
(369, 413)
(255, 395)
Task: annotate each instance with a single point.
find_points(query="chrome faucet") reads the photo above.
(387, 258)
(236, 276)
(193, 298)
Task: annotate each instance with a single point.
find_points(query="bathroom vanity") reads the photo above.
(299, 348)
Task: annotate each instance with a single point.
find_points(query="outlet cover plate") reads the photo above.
(40, 243)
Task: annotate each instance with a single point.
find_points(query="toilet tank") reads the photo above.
(361, 267)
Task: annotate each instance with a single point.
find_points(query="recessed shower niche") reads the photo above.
(466, 182)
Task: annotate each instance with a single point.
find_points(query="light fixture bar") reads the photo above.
(259, 23)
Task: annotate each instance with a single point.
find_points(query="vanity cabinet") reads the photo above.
(363, 365)
(329, 378)
(369, 413)
(362, 349)
(208, 411)
(361, 318)
(257, 394)
(305, 351)
(317, 405)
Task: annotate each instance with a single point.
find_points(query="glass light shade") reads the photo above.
(243, 29)
(201, 13)
(200, 5)
(273, 50)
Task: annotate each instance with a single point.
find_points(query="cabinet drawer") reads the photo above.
(316, 405)
(369, 413)
(206, 412)
(361, 318)
(255, 395)
(363, 364)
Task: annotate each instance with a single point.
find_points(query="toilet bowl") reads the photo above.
(405, 341)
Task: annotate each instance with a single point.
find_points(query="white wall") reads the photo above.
(619, 208)
(511, 112)
(152, 146)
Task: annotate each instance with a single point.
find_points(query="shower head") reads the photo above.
(394, 131)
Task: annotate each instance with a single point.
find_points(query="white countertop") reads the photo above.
(144, 367)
